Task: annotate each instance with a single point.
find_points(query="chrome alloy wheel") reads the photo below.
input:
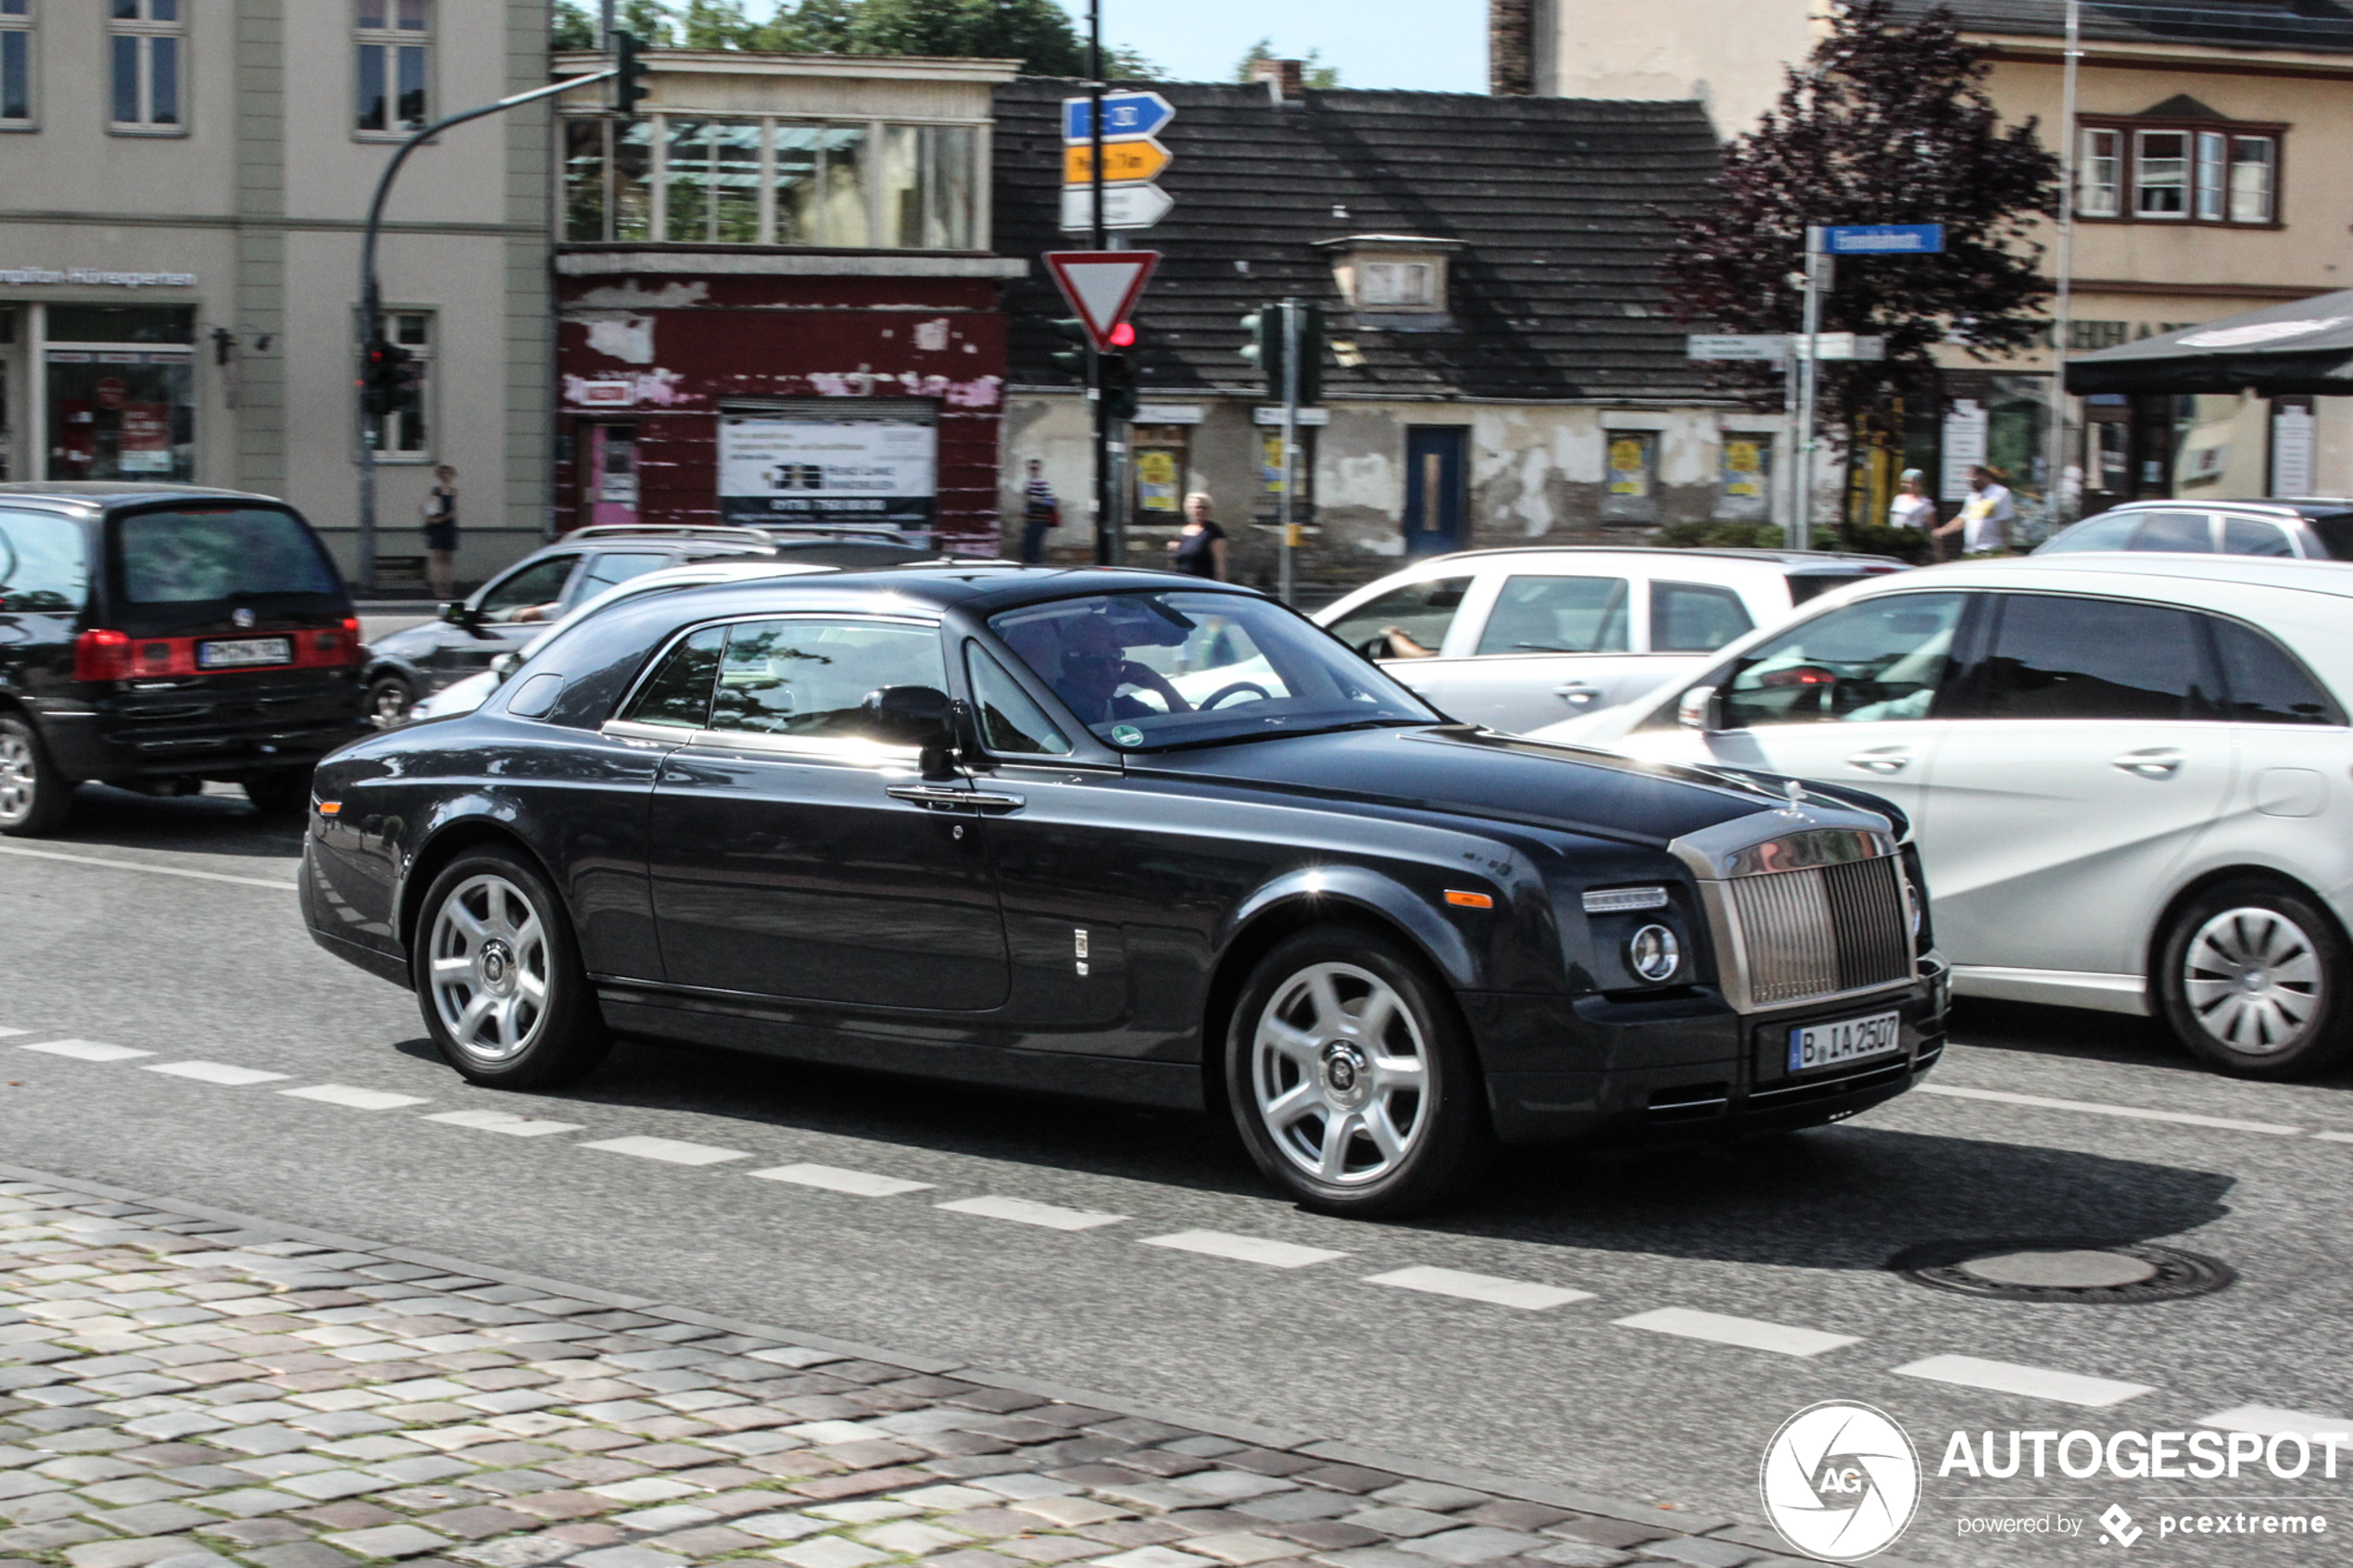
(2253, 980)
(1341, 1074)
(19, 785)
(489, 969)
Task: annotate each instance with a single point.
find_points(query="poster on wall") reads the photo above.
(1744, 484)
(810, 469)
(2292, 431)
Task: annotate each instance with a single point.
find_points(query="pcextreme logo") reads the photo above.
(1840, 1481)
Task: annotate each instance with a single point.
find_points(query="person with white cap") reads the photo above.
(1913, 507)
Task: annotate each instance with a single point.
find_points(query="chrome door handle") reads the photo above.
(996, 803)
(1881, 762)
(1576, 691)
(939, 797)
(2156, 763)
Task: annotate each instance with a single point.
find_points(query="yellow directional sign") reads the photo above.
(1139, 160)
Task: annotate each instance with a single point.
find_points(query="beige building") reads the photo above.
(2214, 151)
(180, 244)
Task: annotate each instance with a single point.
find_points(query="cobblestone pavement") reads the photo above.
(180, 1392)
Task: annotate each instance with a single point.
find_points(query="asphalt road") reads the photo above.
(1789, 1237)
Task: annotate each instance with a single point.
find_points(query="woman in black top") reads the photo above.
(1200, 546)
(441, 533)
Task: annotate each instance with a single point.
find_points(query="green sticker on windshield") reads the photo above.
(1126, 735)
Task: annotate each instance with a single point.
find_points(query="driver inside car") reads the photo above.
(1084, 658)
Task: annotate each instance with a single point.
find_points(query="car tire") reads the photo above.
(1372, 1120)
(389, 700)
(499, 977)
(283, 793)
(34, 798)
(2255, 978)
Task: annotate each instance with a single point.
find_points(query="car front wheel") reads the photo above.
(34, 798)
(499, 974)
(2253, 978)
(1351, 1078)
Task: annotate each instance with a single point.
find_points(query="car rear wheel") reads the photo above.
(389, 700)
(285, 793)
(499, 974)
(2253, 977)
(34, 798)
(1351, 1077)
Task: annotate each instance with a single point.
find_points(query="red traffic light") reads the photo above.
(1123, 336)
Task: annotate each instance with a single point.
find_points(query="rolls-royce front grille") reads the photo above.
(1823, 930)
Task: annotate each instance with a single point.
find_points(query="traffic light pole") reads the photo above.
(1809, 369)
(1284, 512)
(372, 297)
(1108, 543)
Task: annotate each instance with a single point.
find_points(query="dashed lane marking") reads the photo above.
(670, 1151)
(1021, 1210)
(82, 1050)
(1748, 1333)
(215, 1072)
(2035, 1383)
(2136, 1113)
(1245, 1249)
(12, 1034)
(833, 1178)
(2336, 1138)
(115, 865)
(2269, 1420)
(358, 1100)
(488, 1121)
(1481, 1287)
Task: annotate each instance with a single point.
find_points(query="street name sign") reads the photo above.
(1125, 114)
(1136, 206)
(1101, 285)
(1737, 346)
(1883, 239)
(1123, 161)
(1306, 416)
(1839, 345)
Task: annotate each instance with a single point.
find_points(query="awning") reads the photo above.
(2305, 345)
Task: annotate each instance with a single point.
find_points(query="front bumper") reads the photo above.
(1598, 1071)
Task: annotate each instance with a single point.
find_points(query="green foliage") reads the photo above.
(1313, 73)
(1881, 539)
(816, 27)
(1037, 32)
(650, 22)
(1127, 65)
(1720, 537)
(571, 27)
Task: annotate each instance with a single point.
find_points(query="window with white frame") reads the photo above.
(395, 64)
(146, 47)
(2154, 173)
(1408, 285)
(16, 63)
(404, 436)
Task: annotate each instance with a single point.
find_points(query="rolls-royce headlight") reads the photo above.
(1654, 953)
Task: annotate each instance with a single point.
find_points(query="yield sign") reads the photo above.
(1101, 285)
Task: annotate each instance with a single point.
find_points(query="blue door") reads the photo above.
(1437, 465)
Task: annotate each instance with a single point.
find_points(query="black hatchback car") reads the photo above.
(159, 635)
(1121, 833)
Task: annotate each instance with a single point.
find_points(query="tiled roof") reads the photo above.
(2307, 26)
(1555, 293)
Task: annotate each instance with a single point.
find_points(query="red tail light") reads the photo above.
(102, 656)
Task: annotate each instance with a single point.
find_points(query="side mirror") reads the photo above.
(505, 665)
(1702, 708)
(910, 716)
(458, 613)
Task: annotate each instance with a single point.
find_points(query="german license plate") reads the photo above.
(1848, 1039)
(238, 651)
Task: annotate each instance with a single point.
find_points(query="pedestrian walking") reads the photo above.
(1040, 511)
(441, 533)
(1913, 507)
(1199, 545)
(1984, 522)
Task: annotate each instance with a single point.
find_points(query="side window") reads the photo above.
(1408, 622)
(535, 588)
(680, 691)
(615, 567)
(1879, 659)
(2113, 532)
(1010, 723)
(2266, 684)
(2057, 656)
(43, 567)
(2252, 536)
(1695, 618)
(2177, 532)
(827, 680)
(1557, 615)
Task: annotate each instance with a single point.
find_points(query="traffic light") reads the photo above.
(388, 379)
(1311, 354)
(1072, 331)
(630, 85)
(1264, 349)
(1121, 395)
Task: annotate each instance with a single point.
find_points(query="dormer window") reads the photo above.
(1394, 279)
(1397, 286)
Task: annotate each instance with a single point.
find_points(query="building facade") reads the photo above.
(777, 299)
(180, 248)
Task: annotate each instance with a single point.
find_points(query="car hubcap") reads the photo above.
(15, 778)
(1340, 1074)
(2253, 979)
(489, 969)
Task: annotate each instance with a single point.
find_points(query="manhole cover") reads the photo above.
(2063, 1269)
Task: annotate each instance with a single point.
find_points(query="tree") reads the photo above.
(1887, 124)
(1037, 32)
(571, 27)
(1122, 64)
(1313, 72)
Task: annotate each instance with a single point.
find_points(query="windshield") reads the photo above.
(200, 554)
(1171, 668)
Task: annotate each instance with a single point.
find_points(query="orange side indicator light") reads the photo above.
(329, 808)
(1469, 900)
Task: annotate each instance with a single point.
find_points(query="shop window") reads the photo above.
(394, 61)
(926, 177)
(15, 63)
(146, 45)
(2181, 173)
(403, 437)
(821, 195)
(1629, 486)
(1160, 473)
(121, 393)
(711, 171)
(588, 197)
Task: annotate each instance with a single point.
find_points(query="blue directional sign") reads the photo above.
(1125, 114)
(1884, 239)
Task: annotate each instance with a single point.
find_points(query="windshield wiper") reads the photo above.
(1274, 734)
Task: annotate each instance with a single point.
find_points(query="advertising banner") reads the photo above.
(800, 469)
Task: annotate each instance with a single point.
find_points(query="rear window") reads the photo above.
(2335, 530)
(1804, 586)
(196, 555)
(42, 567)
